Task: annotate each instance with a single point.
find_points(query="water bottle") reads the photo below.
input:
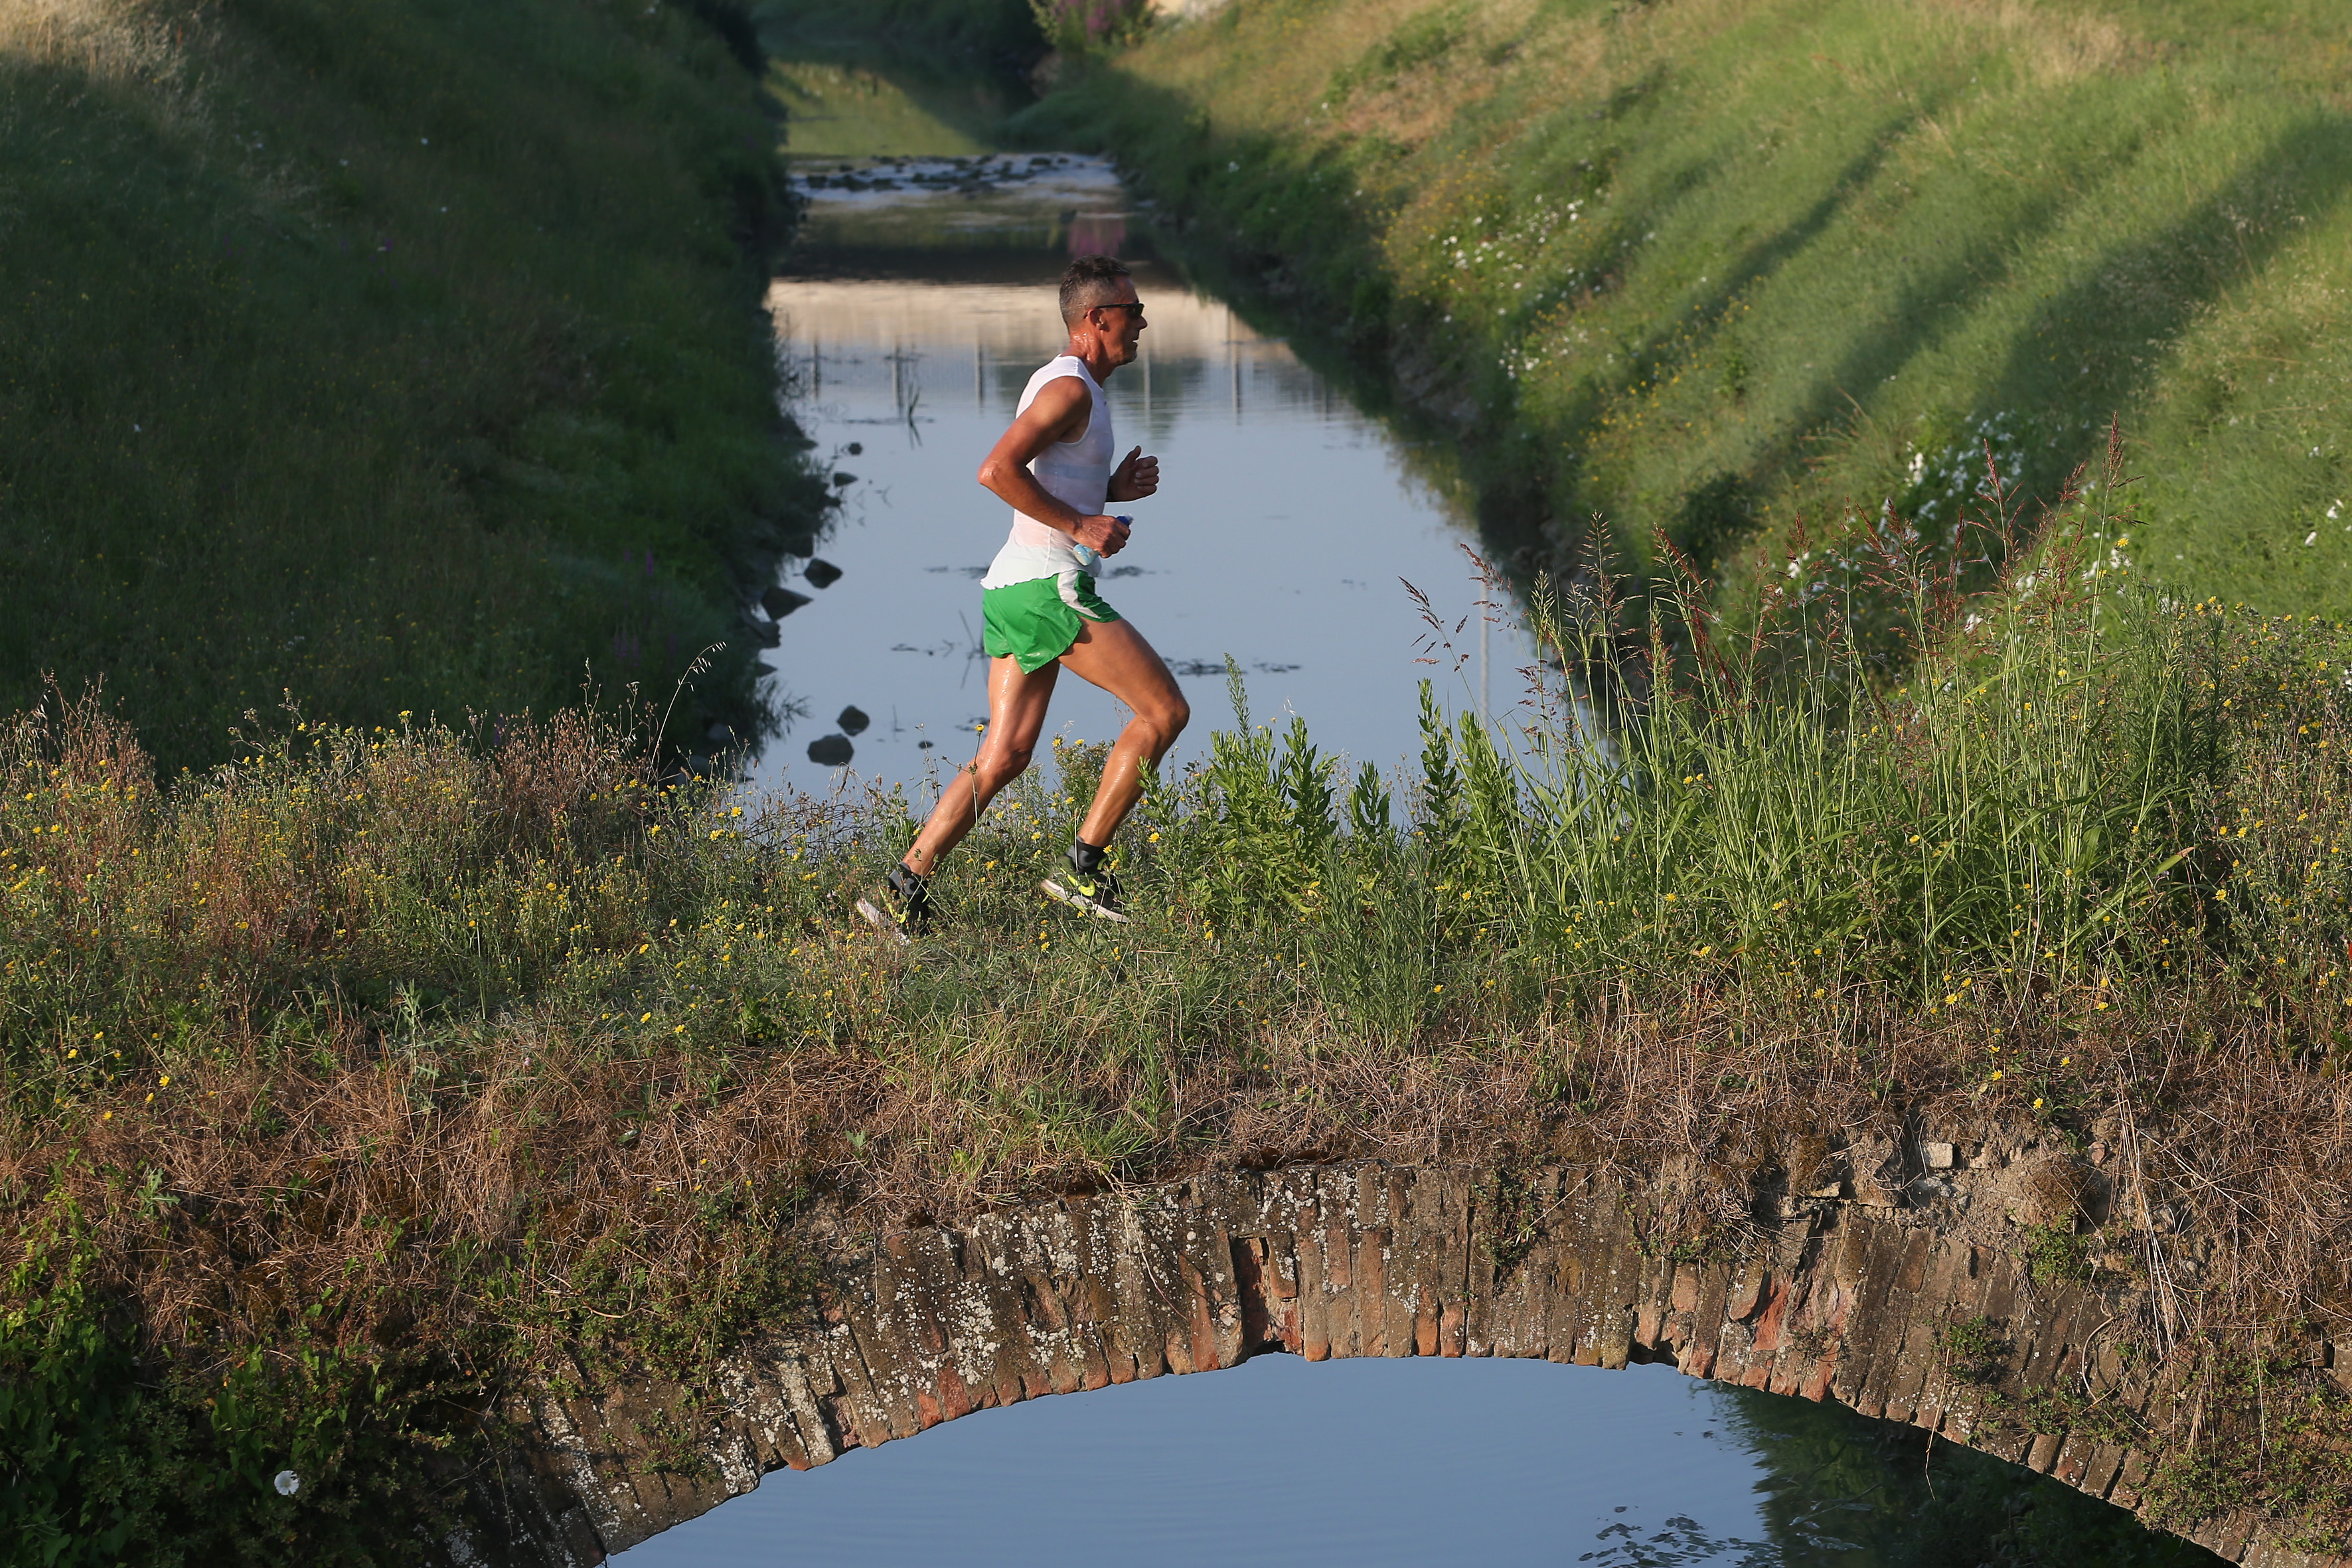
(1090, 559)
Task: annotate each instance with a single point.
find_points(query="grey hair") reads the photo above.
(1090, 280)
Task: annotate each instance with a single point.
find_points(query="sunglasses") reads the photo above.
(1135, 305)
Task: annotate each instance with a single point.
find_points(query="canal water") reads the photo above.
(1289, 536)
(918, 303)
(1376, 1464)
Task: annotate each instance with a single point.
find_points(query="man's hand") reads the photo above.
(1104, 535)
(1136, 477)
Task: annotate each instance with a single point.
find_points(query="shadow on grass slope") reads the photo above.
(405, 354)
(1721, 271)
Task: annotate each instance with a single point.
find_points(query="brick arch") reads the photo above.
(1835, 1296)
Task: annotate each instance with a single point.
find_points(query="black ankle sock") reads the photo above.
(1084, 857)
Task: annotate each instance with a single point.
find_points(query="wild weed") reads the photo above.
(504, 1057)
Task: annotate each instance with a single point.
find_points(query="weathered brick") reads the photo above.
(1365, 1259)
(1314, 1298)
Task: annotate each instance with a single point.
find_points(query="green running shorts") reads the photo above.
(1035, 622)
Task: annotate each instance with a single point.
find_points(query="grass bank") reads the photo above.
(385, 1068)
(404, 354)
(1725, 271)
(945, 39)
(916, 78)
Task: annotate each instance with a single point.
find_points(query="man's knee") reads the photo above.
(997, 769)
(1166, 718)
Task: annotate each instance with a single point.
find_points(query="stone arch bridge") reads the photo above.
(1848, 1293)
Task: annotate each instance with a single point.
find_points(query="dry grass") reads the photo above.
(113, 41)
(2055, 46)
(454, 1059)
(276, 925)
(138, 50)
(368, 1162)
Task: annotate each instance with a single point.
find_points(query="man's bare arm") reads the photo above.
(1059, 411)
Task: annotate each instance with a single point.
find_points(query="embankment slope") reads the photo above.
(1718, 269)
(398, 355)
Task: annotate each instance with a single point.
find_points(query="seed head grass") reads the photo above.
(453, 1061)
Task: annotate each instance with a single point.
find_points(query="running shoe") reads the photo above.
(904, 905)
(1089, 886)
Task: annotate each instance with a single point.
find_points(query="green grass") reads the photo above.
(404, 354)
(1721, 271)
(938, 42)
(386, 1068)
(904, 78)
(836, 110)
(399, 1060)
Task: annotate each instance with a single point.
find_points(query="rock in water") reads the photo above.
(821, 573)
(830, 751)
(780, 602)
(853, 721)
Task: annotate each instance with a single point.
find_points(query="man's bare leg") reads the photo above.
(1016, 715)
(1109, 654)
(1114, 656)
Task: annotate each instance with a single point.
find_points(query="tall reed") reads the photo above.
(419, 1064)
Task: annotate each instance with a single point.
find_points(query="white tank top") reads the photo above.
(1076, 473)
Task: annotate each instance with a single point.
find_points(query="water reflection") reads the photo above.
(1841, 1490)
(1416, 1461)
(914, 315)
(1280, 1462)
(1286, 526)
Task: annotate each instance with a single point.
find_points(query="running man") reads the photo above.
(1039, 606)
